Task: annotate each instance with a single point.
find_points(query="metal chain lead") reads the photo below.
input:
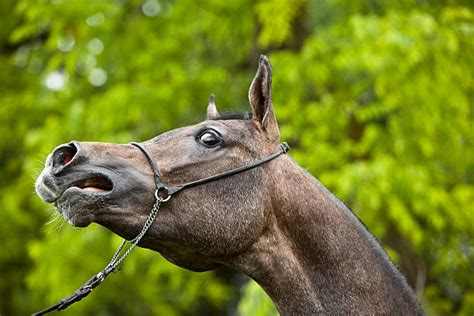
(151, 218)
(116, 260)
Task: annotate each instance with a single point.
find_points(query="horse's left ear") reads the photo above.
(211, 108)
(260, 97)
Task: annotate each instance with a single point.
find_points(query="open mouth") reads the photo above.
(95, 184)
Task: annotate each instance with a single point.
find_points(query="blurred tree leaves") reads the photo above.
(375, 97)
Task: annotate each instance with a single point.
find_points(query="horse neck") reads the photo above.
(316, 257)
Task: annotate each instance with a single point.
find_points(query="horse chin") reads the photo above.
(79, 219)
(78, 207)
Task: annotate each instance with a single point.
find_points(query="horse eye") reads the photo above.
(209, 139)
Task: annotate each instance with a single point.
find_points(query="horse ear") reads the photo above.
(260, 96)
(211, 108)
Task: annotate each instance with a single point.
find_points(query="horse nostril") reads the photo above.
(64, 154)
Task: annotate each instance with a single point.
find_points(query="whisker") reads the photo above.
(55, 223)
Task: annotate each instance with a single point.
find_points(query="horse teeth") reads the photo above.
(93, 189)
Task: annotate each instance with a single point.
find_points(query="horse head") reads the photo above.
(112, 184)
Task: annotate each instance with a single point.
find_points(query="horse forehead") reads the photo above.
(234, 128)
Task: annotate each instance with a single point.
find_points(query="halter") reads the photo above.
(162, 194)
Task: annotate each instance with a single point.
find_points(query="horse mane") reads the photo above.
(233, 116)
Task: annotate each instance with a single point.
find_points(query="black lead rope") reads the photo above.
(162, 194)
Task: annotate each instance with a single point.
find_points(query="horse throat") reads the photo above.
(316, 257)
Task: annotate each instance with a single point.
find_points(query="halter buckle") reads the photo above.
(285, 147)
(162, 194)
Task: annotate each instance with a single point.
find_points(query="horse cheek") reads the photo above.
(215, 227)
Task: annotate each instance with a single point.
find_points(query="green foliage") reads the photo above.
(375, 98)
(255, 302)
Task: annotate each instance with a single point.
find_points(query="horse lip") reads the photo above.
(47, 188)
(95, 184)
(77, 205)
(73, 215)
(50, 192)
(78, 190)
(81, 186)
(46, 193)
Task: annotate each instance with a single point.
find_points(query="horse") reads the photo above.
(271, 220)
